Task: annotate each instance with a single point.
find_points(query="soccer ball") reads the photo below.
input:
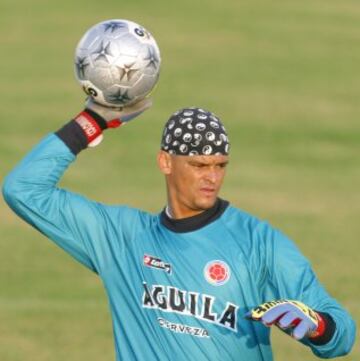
(117, 62)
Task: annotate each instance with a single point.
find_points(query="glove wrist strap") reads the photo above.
(328, 331)
(89, 126)
(320, 330)
(83, 131)
(100, 121)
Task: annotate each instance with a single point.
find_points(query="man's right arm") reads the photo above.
(30, 191)
(81, 227)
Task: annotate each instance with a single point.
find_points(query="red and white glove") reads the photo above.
(86, 129)
(290, 315)
(96, 118)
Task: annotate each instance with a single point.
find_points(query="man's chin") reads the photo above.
(205, 204)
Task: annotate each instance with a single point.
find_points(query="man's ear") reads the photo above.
(164, 162)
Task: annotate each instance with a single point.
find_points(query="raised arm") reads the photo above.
(81, 227)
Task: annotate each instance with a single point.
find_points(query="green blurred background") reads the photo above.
(283, 75)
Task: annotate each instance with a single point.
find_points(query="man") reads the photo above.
(192, 282)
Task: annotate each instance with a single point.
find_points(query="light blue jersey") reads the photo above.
(174, 295)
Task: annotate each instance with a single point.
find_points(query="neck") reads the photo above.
(190, 224)
(177, 209)
(179, 212)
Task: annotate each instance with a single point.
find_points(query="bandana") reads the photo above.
(195, 131)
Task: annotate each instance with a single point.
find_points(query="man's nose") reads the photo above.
(212, 176)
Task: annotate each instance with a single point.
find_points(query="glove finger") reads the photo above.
(131, 112)
(143, 104)
(127, 117)
(273, 315)
(289, 319)
(302, 329)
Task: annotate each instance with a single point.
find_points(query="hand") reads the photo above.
(293, 315)
(120, 115)
(96, 118)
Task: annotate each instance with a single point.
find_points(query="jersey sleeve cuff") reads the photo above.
(73, 136)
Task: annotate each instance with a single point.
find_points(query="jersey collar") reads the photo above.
(194, 223)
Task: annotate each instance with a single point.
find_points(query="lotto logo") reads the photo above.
(154, 262)
(217, 273)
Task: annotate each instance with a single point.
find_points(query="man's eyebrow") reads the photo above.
(223, 164)
(199, 162)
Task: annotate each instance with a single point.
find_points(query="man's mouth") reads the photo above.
(208, 191)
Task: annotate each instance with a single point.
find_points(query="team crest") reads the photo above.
(217, 272)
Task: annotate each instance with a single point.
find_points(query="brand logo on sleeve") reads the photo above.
(217, 273)
(154, 262)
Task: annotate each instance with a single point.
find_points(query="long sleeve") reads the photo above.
(91, 232)
(289, 276)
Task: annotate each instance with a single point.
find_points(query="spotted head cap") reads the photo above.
(195, 131)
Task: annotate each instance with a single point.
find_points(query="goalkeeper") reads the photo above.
(201, 280)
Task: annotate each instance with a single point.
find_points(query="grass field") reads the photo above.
(284, 77)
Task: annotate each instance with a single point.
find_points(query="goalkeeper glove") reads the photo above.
(85, 130)
(294, 316)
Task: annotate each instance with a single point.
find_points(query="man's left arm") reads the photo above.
(327, 328)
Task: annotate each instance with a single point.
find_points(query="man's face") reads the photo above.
(193, 181)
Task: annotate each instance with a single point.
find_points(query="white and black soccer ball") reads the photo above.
(117, 62)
